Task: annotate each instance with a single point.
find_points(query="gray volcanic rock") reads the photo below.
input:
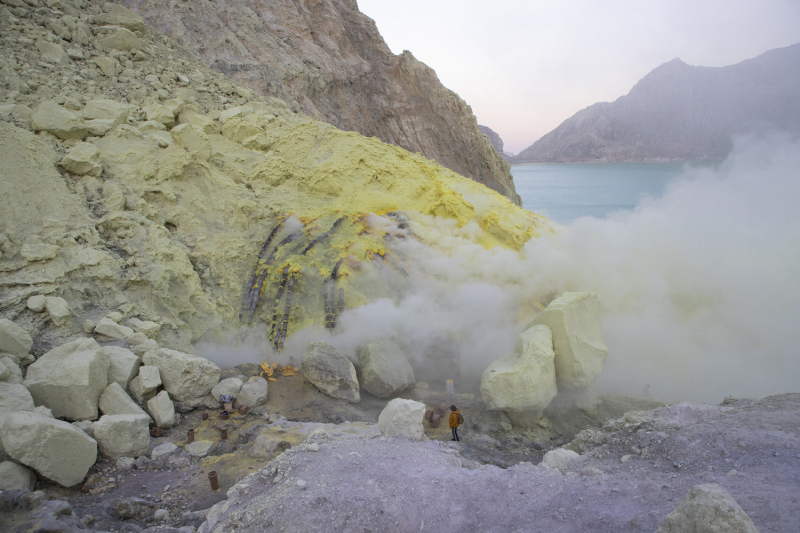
(493, 137)
(329, 61)
(681, 112)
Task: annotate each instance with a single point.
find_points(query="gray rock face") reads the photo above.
(493, 137)
(14, 339)
(53, 448)
(122, 435)
(708, 508)
(185, 376)
(681, 112)
(331, 371)
(353, 81)
(14, 477)
(69, 379)
(384, 369)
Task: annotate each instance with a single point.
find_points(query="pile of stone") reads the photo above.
(561, 351)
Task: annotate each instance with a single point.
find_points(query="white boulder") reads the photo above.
(708, 508)
(69, 379)
(35, 303)
(123, 365)
(13, 398)
(402, 418)
(227, 387)
(329, 369)
(574, 319)
(384, 369)
(184, 376)
(525, 381)
(162, 410)
(14, 340)
(55, 449)
(122, 435)
(115, 401)
(253, 393)
(559, 458)
(144, 385)
(199, 448)
(111, 329)
(58, 309)
(162, 449)
(15, 477)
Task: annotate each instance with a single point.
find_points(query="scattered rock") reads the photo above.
(402, 418)
(123, 365)
(559, 458)
(82, 159)
(199, 448)
(123, 40)
(14, 340)
(185, 376)
(10, 371)
(525, 381)
(227, 387)
(39, 251)
(384, 370)
(163, 449)
(69, 379)
(111, 329)
(144, 385)
(118, 15)
(574, 319)
(53, 448)
(147, 327)
(58, 309)
(160, 515)
(331, 371)
(14, 477)
(134, 508)
(708, 508)
(161, 409)
(253, 393)
(36, 303)
(53, 53)
(161, 114)
(122, 435)
(115, 401)
(125, 463)
(52, 118)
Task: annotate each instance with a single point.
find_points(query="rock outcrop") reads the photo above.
(681, 112)
(55, 449)
(493, 137)
(709, 508)
(383, 369)
(331, 371)
(330, 62)
(523, 383)
(574, 319)
(402, 418)
(69, 379)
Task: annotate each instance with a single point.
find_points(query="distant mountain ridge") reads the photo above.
(681, 112)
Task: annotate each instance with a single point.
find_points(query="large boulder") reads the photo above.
(253, 393)
(147, 327)
(16, 477)
(525, 381)
(574, 319)
(708, 508)
(122, 435)
(115, 401)
(52, 118)
(69, 379)
(162, 410)
(123, 40)
(53, 53)
(384, 369)
(145, 384)
(184, 376)
(58, 309)
(14, 340)
(82, 159)
(103, 109)
(55, 449)
(111, 329)
(331, 371)
(402, 418)
(123, 365)
(227, 387)
(13, 398)
(118, 15)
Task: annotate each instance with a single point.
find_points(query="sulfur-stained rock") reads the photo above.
(58, 309)
(14, 476)
(185, 376)
(402, 418)
(123, 365)
(161, 114)
(122, 435)
(253, 393)
(193, 139)
(144, 385)
(106, 65)
(143, 347)
(35, 303)
(39, 251)
(123, 40)
(708, 508)
(115, 401)
(525, 381)
(111, 329)
(55, 449)
(227, 387)
(331, 371)
(99, 126)
(82, 159)
(162, 410)
(14, 340)
(574, 319)
(237, 130)
(69, 379)
(118, 15)
(52, 118)
(53, 53)
(104, 109)
(384, 370)
(147, 327)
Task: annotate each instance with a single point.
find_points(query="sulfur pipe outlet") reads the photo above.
(190, 436)
(212, 477)
(223, 434)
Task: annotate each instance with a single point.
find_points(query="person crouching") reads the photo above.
(455, 420)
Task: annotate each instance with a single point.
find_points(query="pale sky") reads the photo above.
(525, 66)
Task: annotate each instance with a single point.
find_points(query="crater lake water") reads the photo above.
(566, 191)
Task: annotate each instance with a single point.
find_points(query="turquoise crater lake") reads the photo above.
(564, 192)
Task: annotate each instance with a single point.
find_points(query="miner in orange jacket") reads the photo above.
(455, 420)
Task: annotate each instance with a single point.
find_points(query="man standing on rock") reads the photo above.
(455, 420)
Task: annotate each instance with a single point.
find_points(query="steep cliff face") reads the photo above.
(328, 60)
(682, 112)
(493, 137)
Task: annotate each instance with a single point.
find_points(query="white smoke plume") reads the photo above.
(699, 288)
